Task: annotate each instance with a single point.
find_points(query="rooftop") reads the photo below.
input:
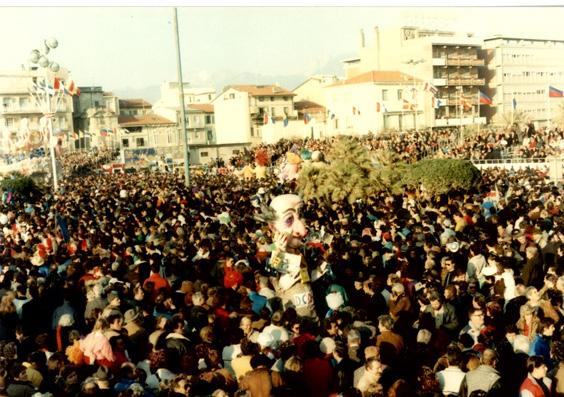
(134, 103)
(378, 77)
(204, 107)
(147, 119)
(262, 90)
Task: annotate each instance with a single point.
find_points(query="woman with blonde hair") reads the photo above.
(96, 347)
(8, 317)
(528, 322)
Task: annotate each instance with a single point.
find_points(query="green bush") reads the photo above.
(22, 187)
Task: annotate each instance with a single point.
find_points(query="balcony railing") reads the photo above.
(464, 62)
(26, 109)
(466, 81)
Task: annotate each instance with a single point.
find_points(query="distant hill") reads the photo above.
(223, 78)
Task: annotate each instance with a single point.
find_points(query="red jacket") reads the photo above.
(159, 283)
(531, 386)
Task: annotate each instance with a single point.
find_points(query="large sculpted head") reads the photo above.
(285, 221)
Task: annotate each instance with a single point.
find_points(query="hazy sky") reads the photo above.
(120, 47)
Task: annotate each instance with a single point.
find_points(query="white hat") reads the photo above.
(453, 246)
(327, 345)
(334, 300)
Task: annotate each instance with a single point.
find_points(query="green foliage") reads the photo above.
(438, 176)
(22, 187)
(352, 174)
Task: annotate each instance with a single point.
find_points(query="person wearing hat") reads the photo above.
(136, 333)
(275, 332)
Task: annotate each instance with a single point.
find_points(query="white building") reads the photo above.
(448, 60)
(200, 118)
(377, 101)
(20, 115)
(240, 112)
(523, 69)
(313, 89)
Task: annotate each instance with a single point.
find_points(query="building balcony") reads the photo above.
(439, 62)
(466, 81)
(439, 82)
(27, 110)
(464, 62)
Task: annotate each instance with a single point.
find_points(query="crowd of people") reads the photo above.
(136, 285)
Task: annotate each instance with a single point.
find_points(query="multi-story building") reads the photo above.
(520, 70)
(450, 61)
(376, 101)
(200, 118)
(313, 89)
(95, 118)
(241, 111)
(21, 116)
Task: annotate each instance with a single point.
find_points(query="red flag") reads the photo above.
(378, 107)
(57, 84)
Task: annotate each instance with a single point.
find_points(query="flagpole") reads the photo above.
(512, 109)
(182, 108)
(548, 108)
(479, 121)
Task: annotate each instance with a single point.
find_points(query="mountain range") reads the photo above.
(221, 79)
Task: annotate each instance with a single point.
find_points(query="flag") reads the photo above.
(554, 92)
(484, 99)
(465, 102)
(354, 110)
(436, 102)
(105, 131)
(307, 118)
(71, 88)
(57, 86)
(407, 105)
(265, 119)
(430, 88)
(378, 107)
(286, 121)
(514, 103)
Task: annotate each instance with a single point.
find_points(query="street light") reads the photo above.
(414, 62)
(42, 92)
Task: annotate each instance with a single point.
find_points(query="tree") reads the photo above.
(350, 175)
(22, 187)
(439, 176)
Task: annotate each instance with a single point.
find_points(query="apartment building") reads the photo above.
(241, 111)
(95, 118)
(312, 89)
(21, 116)
(519, 72)
(200, 118)
(450, 61)
(377, 101)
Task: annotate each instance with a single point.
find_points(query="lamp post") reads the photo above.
(47, 97)
(414, 62)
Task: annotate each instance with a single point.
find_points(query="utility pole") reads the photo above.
(182, 109)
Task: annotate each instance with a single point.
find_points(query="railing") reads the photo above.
(467, 81)
(464, 62)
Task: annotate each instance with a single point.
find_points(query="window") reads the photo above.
(210, 135)
(252, 132)
(208, 119)
(272, 112)
(96, 104)
(139, 142)
(125, 142)
(235, 151)
(272, 99)
(261, 98)
(209, 97)
(9, 122)
(231, 96)
(400, 94)
(384, 95)
(204, 154)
